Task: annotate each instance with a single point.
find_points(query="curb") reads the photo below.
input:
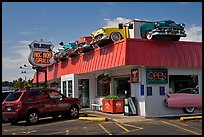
(191, 117)
(83, 115)
(94, 118)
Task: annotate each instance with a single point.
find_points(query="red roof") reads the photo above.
(130, 52)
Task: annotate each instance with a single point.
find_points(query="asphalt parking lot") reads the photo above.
(156, 126)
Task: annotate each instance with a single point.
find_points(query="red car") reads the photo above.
(30, 105)
(188, 99)
(83, 44)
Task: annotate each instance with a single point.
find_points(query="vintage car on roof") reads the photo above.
(83, 44)
(60, 54)
(163, 30)
(108, 34)
(70, 48)
(187, 99)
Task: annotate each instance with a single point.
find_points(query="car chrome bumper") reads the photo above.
(169, 33)
(100, 40)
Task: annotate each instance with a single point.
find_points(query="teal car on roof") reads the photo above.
(163, 30)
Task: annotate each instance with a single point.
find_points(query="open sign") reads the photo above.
(157, 76)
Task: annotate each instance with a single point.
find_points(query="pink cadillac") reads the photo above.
(188, 99)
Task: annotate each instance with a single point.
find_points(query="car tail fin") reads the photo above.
(168, 95)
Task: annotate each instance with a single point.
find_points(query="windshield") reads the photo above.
(189, 91)
(13, 96)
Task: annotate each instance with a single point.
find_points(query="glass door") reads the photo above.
(84, 92)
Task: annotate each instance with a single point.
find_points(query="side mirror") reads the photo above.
(120, 25)
(61, 43)
(130, 26)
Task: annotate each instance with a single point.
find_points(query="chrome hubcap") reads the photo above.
(33, 117)
(74, 112)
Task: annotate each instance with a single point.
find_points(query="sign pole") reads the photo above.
(45, 78)
(37, 78)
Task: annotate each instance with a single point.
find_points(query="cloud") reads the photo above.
(194, 33)
(27, 32)
(115, 22)
(18, 56)
(111, 3)
(184, 3)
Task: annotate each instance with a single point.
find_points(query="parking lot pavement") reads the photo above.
(121, 118)
(78, 127)
(117, 125)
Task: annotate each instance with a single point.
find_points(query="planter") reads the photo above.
(113, 105)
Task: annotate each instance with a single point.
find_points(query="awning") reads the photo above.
(130, 52)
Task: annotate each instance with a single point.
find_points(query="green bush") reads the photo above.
(111, 97)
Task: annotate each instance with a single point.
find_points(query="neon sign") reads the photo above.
(41, 54)
(42, 57)
(157, 76)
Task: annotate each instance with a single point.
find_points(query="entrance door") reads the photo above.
(122, 84)
(84, 92)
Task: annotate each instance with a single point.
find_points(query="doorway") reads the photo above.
(122, 84)
(84, 92)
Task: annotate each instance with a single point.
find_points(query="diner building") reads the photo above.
(145, 69)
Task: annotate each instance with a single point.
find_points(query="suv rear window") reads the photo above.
(4, 95)
(13, 96)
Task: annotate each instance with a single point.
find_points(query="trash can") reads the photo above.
(130, 106)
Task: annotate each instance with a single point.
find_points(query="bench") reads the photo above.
(97, 104)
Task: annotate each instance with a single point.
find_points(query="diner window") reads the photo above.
(179, 82)
(103, 85)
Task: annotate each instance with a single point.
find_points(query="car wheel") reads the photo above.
(189, 110)
(115, 36)
(80, 52)
(95, 46)
(148, 34)
(74, 112)
(32, 117)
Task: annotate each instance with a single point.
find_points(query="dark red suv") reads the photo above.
(32, 104)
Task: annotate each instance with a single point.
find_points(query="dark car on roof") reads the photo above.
(32, 104)
(163, 30)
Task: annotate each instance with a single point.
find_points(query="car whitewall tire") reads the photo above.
(148, 34)
(189, 110)
(115, 36)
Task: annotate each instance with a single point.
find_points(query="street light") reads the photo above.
(24, 73)
(25, 67)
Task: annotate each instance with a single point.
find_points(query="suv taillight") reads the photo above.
(19, 106)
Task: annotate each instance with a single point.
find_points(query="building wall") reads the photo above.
(155, 106)
(75, 78)
(148, 106)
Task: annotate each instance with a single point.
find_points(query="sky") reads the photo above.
(24, 22)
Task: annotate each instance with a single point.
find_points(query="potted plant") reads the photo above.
(104, 78)
(112, 104)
